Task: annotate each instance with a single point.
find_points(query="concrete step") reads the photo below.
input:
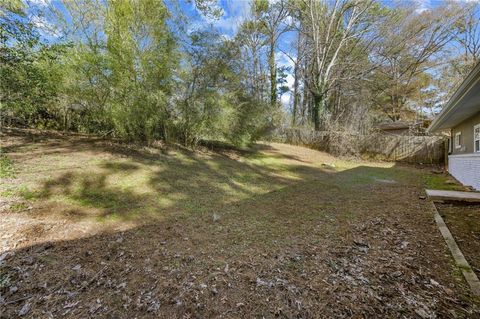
(441, 195)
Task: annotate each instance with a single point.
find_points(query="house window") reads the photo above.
(476, 138)
(457, 140)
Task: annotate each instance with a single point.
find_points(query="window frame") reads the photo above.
(456, 143)
(475, 127)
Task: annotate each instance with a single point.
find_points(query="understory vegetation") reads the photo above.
(167, 70)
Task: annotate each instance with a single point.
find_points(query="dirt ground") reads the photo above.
(93, 229)
(463, 220)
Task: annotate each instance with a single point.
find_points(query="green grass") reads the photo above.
(184, 183)
(10, 192)
(26, 193)
(19, 191)
(6, 167)
(19, 207)
(442, 182)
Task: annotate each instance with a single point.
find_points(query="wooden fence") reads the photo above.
(399, 148)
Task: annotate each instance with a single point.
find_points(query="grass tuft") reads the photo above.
(6, 167)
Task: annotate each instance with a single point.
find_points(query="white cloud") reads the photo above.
(290, 81)
(283, 60)
(44, 27)
(422, 5)
(426, 5)
(235, 12)
(41, 3)
(229, 24)
(285, 99)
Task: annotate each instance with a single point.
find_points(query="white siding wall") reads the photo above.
(465, 168)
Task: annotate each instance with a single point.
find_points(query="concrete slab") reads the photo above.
(439, 195)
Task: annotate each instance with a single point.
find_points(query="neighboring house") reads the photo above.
(393, 128)
(461, 116)
(400, 128)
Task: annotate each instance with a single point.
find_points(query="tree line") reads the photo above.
(142, 70)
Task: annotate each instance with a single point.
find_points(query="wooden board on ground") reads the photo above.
(439, 195)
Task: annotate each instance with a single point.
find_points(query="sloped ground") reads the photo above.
(90, 228)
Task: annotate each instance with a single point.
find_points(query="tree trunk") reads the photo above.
(254, 78)
(296, 74)
(316, 110)
(308, 104)
(295, 95)
(273, 74)
(319, 107)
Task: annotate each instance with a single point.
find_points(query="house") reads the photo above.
(393, 128)
(461, 117)
(400, 128)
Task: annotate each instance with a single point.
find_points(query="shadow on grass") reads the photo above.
(155, 188)
(275, 221)
(274, 234)
(142, 185)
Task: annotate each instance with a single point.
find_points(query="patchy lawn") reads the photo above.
(90, 228)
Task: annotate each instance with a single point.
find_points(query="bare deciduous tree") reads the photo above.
(329, 29)
(409, 46)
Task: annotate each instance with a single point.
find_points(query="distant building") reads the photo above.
(400, 128)
(461, 117)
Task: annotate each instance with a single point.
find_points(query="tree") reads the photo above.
(329, 28)
(462, 53)
(140, 55)
(29, 79)
(272, 17)
(467, 35)
(204, 112)
(407, 48)
(141, 70)
(251, 40)
(121, 66)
